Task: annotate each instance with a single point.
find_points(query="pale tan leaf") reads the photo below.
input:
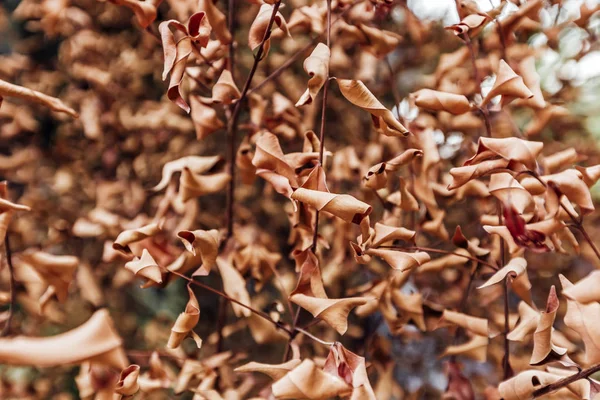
(131, 236)
(317, 67)
(307, 381)
(146, 267)
(96, 341)
(204, 243)
(274, 371)
(234, 286)
(522, 386)
(475, 348)
(333, 311)
(358, 94)
(128, 381)
(342, 206)
(193, 185)
(217, 20)
(186, 321)
(441, 101)
(585, 290)
(509, 85)
(195, 164)
(11, 90)
(582, 318)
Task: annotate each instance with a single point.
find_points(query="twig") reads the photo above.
(293, 58)
(463, 303)
(231, 299)
(221, 319)
(232, 124)
(431, 250)
(322, 131)
(469, 44)
(287, 347)
(506, 359)
(577, 223)
(316, 339)
(231, 27)
(282, 289)
(292, 332)
(13, 286)
(566, 381)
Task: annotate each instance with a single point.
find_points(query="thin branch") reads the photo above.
(577, 222)
(232, 124)
(439, 251)
(322, 132)
(231, 27)
(294, 57)
(463, 303)
(316, 339)
(506, 359)
(13, 286)
(469, 44)
(566, 381)
(282, 289)
(231, 299)
(293, 332)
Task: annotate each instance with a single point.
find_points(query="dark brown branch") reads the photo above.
(322, 128)
(13, 286)
(231, 299)
(233, 120)
(506, 359)
(231, 27)
(440, 251)
(293, 58)
(566, 381)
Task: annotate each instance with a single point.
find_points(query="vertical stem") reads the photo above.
(323, 114)
(232, 123)
(469, 44)
(231, 27)
(463, 303)
(506, 359)
(13, 284)
(221, 318)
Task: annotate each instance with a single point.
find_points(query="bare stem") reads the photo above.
(322, 128)
(282, 289)
(13, 286)
(506, 359)
(463, 303)
(579, 225)
(440, 251)
(231, 299)
(469, 44)
(231, 27)
(232, 124)
(293, 58)
(316, 339)
(583, 374)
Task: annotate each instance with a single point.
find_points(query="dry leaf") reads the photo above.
(509, 85)
(185, 323)
(317, 66)
(145, 266)
(342, 206)
(11, 90)
(96, 341)
(203, 243)
(333, 311)
(358, 94)
(441, 101)
(259, 26)
(307, 381)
